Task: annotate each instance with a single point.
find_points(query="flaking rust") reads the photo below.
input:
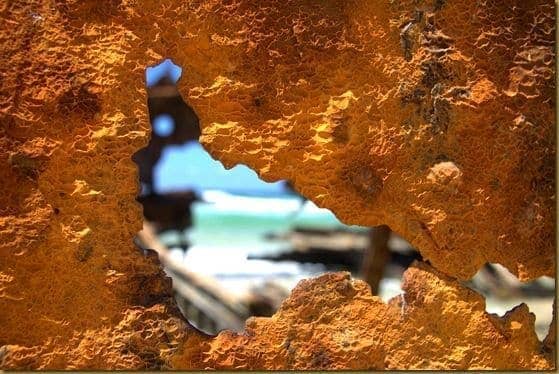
(448, 138)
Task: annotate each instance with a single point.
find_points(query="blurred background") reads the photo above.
(235, 245)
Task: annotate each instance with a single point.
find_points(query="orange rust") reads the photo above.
(434, 117)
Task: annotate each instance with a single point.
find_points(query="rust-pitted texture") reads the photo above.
(329, 322)
(436, 118)
(72, 112)
(433, 117)
(332, 322)
(142, 339)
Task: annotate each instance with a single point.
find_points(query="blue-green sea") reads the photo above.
(227, 228)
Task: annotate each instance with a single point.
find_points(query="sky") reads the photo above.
(190, 166)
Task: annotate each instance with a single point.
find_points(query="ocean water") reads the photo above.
(228, 228)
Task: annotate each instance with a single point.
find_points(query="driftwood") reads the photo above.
(336, 248)
(200, 292)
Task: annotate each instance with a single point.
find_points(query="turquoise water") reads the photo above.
(234, 221)
(229, 228)
(215, 226)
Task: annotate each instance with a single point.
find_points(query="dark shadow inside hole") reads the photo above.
(186, 224)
